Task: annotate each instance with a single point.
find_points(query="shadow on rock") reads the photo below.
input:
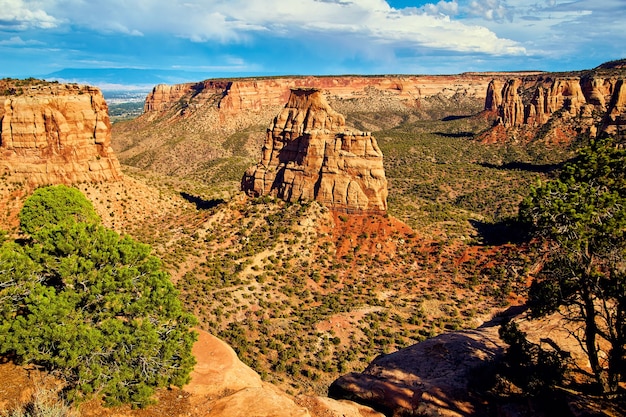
(429, 378)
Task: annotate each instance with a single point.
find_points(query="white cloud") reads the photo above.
(241, 20)
(20, 15)
(448, 8)
(345, 29)
(555, 28)
(491, 10)
(18, 41)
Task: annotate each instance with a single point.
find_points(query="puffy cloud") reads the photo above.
(491, 10)
(337, 35)
(556, 29)
(241, 20)
(21, 15)
(448, 8)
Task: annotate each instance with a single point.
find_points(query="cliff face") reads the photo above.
(254, 94)
(309, 154)
(56, 133)
(185, 125)
(573, 105)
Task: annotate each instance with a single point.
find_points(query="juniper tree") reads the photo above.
(93, 307)
(581, 219)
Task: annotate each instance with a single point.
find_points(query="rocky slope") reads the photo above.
(221, 385)
(310, 155)
(55, 133)
(557, 107)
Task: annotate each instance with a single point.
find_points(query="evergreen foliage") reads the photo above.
(581, 218)
(92, 306)
(53, 205)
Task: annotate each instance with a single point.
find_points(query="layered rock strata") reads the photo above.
(56, 133)
(590, 103)
(236, 95)
(309, 154)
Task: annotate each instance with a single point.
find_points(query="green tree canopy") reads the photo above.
(95, 308)
(581, 217)
(53, 205)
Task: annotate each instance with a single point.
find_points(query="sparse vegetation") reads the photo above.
(303, 295)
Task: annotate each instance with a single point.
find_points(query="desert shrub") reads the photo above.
(44, 402)
(527, 365)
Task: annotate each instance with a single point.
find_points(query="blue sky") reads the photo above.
(222, 38)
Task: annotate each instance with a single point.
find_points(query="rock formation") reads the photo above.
(576, 104)
(309, 154)
(236, 95)
(222, 385)
(185, 125)
(427, 379)
(55, 133)
(438, 377)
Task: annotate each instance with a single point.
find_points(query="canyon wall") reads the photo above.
(186, 125)
(309, 154)
(233, 96)
(55, 133)
(557, 105)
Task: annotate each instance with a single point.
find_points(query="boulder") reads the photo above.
(430, 378)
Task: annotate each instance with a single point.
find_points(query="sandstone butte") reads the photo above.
(309, 154)
(55, 133)
(587, 104)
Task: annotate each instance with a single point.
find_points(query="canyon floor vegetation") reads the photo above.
(305, 295)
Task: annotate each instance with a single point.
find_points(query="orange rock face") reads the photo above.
(233, 96)
(309, 154)
(585, 102)
(56, 133)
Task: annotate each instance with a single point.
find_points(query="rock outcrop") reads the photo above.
(185, 125)
(221, 385)
(440, 376)
(573, 105)
(309, 154)
(430, 378)
(55, 133)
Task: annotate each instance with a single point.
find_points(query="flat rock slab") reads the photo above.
(428, 378)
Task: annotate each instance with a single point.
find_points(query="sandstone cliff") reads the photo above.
(186, 125)
(221, 385)
(556, 107)
(309, 154)
(55, 133)
(233, 96)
